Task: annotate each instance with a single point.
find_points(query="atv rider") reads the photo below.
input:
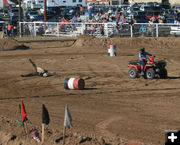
(142, 58)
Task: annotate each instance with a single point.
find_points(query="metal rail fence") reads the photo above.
(98, 29)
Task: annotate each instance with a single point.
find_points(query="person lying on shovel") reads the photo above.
(39, 71)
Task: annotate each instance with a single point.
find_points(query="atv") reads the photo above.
(151, 69)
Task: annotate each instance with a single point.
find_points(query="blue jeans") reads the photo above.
(143, 63)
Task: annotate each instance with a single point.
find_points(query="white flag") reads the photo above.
(67, 118)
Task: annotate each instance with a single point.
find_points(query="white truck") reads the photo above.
(175, 30)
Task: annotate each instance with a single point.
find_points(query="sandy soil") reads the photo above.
(113, 109)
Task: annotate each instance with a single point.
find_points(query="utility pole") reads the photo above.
(45, 13)
(19, 1)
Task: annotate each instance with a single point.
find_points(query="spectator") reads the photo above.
(143, 30)
(40, 29)
(109, 12)
(31, 29)
(5, 28)
(63, 24)
(160, 21)
(81, 10)
(176, 21)
(12, 31)
(100, 11)
(104, 20)
(90, 11)
(75, 18)
(72, 12)
(150, 30)
(153, 19)
(175, 12)
(124, 12)
(10, 27)
(97, 19)
(117, 17)
(132, 21)
(124, 20)
(90, 29)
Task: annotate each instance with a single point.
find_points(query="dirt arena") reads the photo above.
(112, 110)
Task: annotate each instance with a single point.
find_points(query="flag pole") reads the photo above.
(64, 133)
(43, 127)
(26, 128)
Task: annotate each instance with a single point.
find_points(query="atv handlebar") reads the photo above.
(151, 59)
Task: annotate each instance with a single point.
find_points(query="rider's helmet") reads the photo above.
(142, 50)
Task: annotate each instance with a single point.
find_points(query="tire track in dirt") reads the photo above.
(94, 93)
(47, 55)
(103, 125)
(99, 72)
(171, 61)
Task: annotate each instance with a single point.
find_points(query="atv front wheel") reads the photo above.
(133, 73)
(150, 73)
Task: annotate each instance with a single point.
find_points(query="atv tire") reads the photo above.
(150, 73)
(133, 73)
(163, 73)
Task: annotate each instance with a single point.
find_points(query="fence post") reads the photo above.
(106, 29)
(131, 30)
(157, 30)
(58, 29)
(20, 30)
(82, 28)
(34, 29)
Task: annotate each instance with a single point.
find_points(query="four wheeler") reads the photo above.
(151, 69)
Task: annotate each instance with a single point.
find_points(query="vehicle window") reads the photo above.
(15, 11)
(33, 13)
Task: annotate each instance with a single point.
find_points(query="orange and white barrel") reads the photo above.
(74, 83)
(111, 50)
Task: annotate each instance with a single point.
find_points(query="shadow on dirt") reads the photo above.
(90, 88)
(169, 77)
(20, 47)
(59, 139)
(173, 77)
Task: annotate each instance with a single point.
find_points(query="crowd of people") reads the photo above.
(121, 16)
(92, 14)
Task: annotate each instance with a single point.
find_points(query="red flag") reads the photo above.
(23, 112)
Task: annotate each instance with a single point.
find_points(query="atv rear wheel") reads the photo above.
(163, 73)
(150, 73)
(133, 73)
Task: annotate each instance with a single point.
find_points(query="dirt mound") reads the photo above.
(13, 133)
(88, 41)
(85, 41)
(11, 44)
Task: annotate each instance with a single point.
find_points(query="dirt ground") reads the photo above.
(112, 110)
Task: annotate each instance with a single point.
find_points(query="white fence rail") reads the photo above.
(98, 29)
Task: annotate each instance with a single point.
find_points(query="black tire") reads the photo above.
(66, 83)
(133, 73)
(163, 73)
(150, 73)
